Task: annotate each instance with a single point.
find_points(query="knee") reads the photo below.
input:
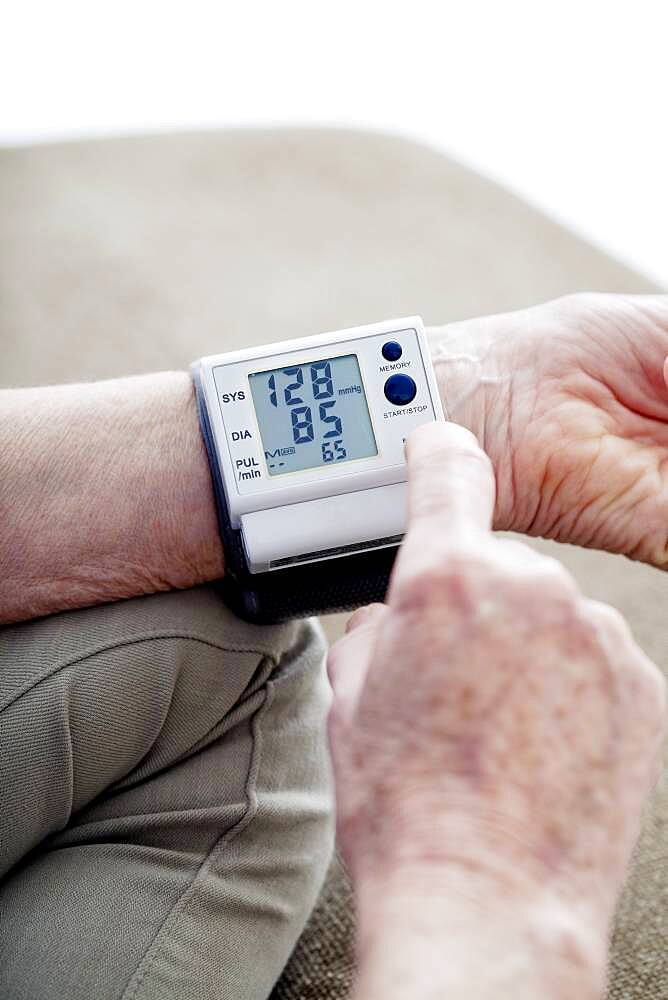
(121, 691)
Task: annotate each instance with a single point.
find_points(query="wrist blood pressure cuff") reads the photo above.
(328, 586)
(305, 440)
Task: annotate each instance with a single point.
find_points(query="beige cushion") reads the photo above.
(137, 254)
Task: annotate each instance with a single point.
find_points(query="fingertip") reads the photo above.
(349, 658)
(440, 444)
(440, 434)
(367, 615)
(451, 482)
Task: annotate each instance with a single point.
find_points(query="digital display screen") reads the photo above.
(311, 415)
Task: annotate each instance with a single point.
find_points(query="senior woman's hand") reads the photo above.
(494, 736)
(569, 399)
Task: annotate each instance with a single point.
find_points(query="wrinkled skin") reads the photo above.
(492, 727)
(576, 423)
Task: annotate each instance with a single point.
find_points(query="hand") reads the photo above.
(570, 401)
(494, 736)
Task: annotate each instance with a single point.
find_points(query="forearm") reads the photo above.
(105, 493)
(105, 490)
(442, 937)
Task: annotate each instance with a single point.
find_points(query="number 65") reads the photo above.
(329, 455)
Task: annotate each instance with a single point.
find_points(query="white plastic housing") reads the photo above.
(312, 514)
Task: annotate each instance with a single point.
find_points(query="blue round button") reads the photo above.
(391, 350)
(400, 389)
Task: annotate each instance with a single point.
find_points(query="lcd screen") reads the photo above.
(311, 415)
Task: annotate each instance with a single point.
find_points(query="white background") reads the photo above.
(565, 102)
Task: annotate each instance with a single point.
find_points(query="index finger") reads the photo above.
(451, 488)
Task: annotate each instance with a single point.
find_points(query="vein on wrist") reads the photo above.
(475, 382)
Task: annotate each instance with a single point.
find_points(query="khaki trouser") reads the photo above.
(166, 807)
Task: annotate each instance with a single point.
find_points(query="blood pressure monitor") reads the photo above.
(305, 440)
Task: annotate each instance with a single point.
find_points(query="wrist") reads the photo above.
(447, 931)
(197, 547)
(474, 370)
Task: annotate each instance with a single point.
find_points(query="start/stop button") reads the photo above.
(400, 389)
